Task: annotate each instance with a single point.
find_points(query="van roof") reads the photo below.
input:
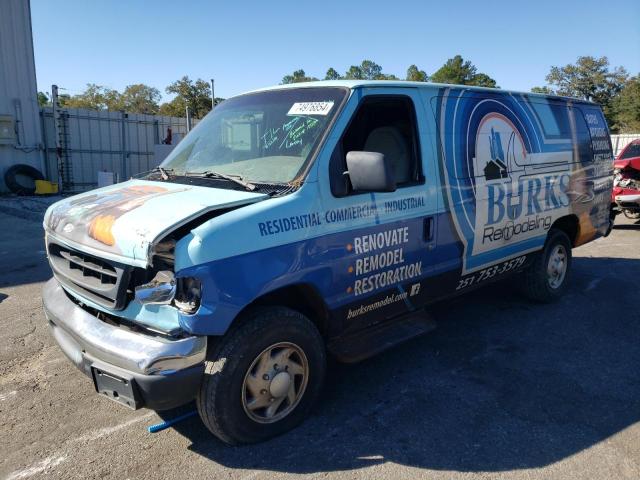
(353, 84)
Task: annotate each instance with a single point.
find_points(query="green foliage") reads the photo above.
(368, 70)
(416, 75)
(95, 97)
(332, 74)
(43, 99)
(457, 71)
(63, 99)
(626, 107)
(590, 79)
(297, 77)
(545, 90)
(354, 73)
(483, 80)
(195, 95)
(140, 98)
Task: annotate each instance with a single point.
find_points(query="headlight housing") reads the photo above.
(188, 294)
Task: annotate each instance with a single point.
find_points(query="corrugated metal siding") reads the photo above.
(18, 90)
(118, 142)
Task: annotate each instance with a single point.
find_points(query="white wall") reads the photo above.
(18, 90)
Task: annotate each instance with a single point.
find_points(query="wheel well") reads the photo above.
(303, 298)
(568, 224)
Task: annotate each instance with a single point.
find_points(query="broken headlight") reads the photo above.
(188, 294)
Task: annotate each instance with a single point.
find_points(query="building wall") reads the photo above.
(18, 89)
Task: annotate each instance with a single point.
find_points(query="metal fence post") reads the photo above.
(55, 110)
(213, 96)
(188, 119)
(123, 167)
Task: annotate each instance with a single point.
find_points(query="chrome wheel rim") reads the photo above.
(275, 382)
(557, 266)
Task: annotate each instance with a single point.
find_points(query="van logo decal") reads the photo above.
(508, 178)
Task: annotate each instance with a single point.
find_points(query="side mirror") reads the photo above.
(370, 172)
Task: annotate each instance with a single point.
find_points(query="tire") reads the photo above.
(11, 179)
(224, 401)
(539, 284)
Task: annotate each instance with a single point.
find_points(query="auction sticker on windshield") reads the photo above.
(310, 108)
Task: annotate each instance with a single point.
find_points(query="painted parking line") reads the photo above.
(4, 396)
(54, 460)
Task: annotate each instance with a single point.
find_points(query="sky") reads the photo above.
(245, 45)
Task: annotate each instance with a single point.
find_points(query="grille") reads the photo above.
(102, 281)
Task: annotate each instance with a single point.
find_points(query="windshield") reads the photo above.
(631, 151)
(261, 137)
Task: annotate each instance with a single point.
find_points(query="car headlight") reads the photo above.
(188, 294)
(161, 290)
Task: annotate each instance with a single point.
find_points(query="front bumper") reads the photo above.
(135, 369)
(628, 200)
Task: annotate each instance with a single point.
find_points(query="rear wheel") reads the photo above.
(264, 376)
(546, 278)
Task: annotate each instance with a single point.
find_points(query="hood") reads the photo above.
(633, 162)
(122, 221)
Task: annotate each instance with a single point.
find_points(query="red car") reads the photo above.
(626, 183)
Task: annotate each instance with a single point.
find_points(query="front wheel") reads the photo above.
(264, 376)
(546, 278)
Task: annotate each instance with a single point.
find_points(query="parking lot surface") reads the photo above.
(501, 389)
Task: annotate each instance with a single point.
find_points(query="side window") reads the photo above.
(583, 138)
(599, 133)
(384, 124)
(554, 119)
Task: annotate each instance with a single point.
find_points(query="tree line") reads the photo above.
(593, 79)
(589, 78)
(456, 70)
(141, 98)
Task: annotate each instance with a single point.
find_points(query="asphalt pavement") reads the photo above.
(503, 388)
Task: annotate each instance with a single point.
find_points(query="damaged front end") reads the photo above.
(113, 249)
(115, 302)
(626, 188)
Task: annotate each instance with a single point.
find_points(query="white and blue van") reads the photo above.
(313, 219)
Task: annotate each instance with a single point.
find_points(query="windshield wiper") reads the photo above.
(164, 172)
(232, 178)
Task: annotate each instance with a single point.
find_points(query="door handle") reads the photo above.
(428, 229)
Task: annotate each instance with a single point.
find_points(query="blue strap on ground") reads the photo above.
(167, 423)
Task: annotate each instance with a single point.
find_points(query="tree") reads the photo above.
(416, 75)
(626, 107)
(483, 80)
(140, 98)
(43, 99)
(354, 73)
(95, 97)
(545, 90)
(370, 70)
(297, 76)
(367, 70)
(195, 95)
(589, 78)
(460, 72)
(332, 74)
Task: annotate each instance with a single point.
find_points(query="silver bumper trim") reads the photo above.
(136, 352)
(629, 198)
